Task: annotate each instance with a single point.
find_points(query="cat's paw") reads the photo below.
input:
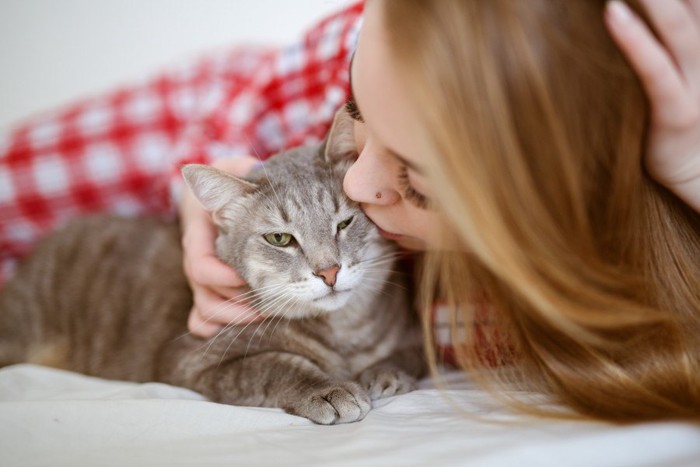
(385, 382)
(342, 403)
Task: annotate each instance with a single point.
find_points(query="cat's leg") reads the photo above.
(396, 374)
(288, 381)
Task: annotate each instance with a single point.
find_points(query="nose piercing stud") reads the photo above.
(378, 195)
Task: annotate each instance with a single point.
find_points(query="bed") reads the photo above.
(50, 417)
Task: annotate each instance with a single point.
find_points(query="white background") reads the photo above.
(53, 51)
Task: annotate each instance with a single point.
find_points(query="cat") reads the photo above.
(107, 296)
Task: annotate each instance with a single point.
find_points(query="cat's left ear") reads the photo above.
(214, 188)
(339, 145)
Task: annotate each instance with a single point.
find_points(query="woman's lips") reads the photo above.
(389, 235)
(382, 232)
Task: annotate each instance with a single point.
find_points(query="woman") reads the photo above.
(512, 132)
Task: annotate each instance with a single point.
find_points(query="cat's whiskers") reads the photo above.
(380, 262)
(275, 303)
(383, 264)
(260, 324)
(389, 257)
(370, 284)
(271, 301)
(379, 275)
(210, 342)
(284, 317)
(274, 314)
(246, 314)
(231, 342)
(228, 304)
(382, 289)
(223, 355)
(262, 306)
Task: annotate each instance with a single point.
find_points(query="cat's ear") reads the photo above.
(214, 188)
(339, 145)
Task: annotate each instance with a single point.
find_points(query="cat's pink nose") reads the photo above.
(329, 275)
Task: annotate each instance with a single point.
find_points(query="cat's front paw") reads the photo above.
(342, 403)
(385, 382)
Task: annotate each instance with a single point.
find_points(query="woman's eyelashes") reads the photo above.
(414, 197)
(352, 110)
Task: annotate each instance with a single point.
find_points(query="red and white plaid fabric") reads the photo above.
(120, 152)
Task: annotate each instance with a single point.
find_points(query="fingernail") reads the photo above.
(619, 11)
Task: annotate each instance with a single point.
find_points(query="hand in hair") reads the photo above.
(668, 65)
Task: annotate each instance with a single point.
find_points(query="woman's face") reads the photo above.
(388, 179)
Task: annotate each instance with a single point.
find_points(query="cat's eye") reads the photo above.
(345, 223)
(279, 239)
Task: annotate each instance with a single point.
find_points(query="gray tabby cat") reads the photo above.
(107, 296)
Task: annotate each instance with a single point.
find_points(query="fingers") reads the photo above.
(201, 264)
(206, 269)
(657, 70)
(695, 6)
(679, 29)
(211, 312)
(200, 327)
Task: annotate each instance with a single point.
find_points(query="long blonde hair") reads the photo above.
(538, 127)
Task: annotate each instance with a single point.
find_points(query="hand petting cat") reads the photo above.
(669, 69)
(214, 284)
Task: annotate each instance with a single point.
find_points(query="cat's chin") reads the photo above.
(332, 301)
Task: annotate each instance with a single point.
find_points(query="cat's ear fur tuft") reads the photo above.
(214, 188)
(339, 146)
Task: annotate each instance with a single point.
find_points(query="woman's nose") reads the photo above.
(371, 180)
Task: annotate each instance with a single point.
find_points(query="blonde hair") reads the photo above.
(591, 268)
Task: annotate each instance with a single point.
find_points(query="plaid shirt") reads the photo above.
(120, 152)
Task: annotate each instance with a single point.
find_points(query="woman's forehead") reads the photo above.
(381, 96)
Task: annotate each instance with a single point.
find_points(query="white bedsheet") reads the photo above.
(56, 418)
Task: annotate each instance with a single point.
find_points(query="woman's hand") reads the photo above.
(218, 291)
(669, 69)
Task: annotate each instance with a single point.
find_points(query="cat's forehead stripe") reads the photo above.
(283, 213)
(321, 194)
(336, 205)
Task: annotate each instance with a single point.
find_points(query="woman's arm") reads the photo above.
(669, 68)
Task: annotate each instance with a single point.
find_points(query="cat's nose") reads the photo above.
(328, 275)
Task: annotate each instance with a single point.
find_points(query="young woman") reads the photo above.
(517, 128)
(507, 137)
